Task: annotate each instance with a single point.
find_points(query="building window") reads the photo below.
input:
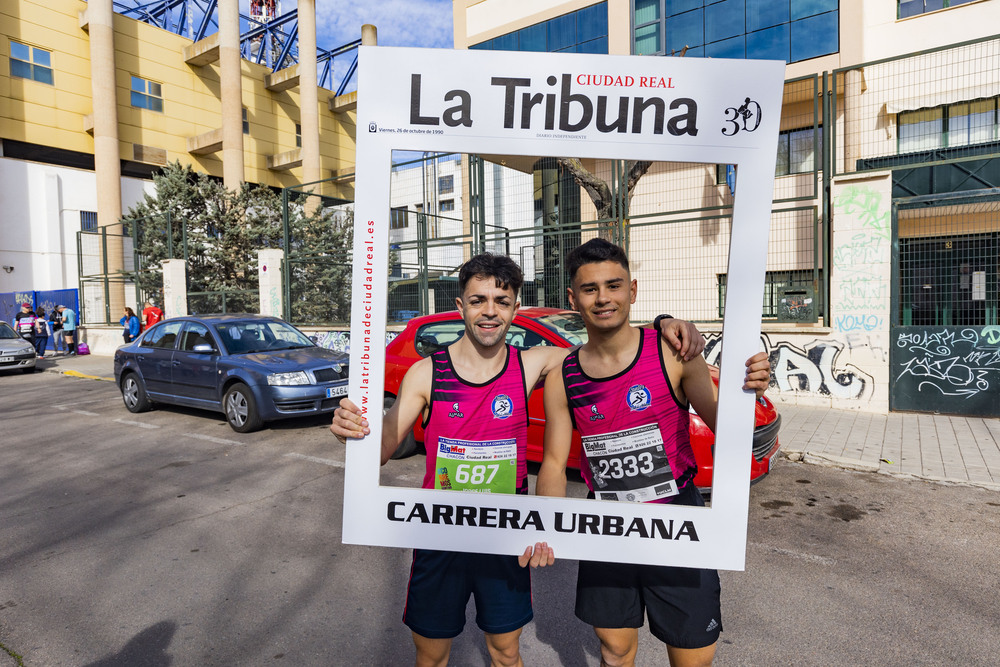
(907, 8)
(398, 218)
(29, 62)
(447, 205)
(298, 136)
(246, 121)
(961, 124)
(774, 281)
(789, 30)
(582, 31)
(446, 184)
(146, 94)
(88, 221)
(796, 151)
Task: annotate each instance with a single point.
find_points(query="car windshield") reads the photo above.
(6, 331)
(568, 325)
(247, 337)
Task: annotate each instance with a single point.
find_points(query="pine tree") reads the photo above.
(223, 231)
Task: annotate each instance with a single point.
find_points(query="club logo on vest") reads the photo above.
(455, 412)
(595, 413)
(638, 397)
(502, 407)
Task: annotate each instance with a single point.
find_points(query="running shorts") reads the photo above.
(442, 581)
(682, 604)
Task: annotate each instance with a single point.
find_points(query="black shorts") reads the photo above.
(682, 603)
(442, 581)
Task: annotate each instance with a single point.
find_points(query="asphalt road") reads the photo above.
(167, 539)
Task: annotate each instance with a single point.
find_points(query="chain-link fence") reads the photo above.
(934, 107)
(106, 262)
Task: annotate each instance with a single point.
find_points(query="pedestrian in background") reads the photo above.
(69, 329)
(41, 332)
(131, 325)
(55, 330)
(151, 315)
(24, 323)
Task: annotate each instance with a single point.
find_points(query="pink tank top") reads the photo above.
(476, 435)
(636, 444)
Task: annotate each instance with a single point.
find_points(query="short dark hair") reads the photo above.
(593, 251)
(487, 265)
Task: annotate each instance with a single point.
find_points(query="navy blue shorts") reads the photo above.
(682, 603)
(442, 581)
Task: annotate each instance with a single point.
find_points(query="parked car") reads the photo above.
(252, 368)
(560, 328)
(15, 351)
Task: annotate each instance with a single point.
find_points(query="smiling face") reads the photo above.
(488, 310)
(603, 293)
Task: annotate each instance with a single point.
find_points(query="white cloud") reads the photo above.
(426, 23)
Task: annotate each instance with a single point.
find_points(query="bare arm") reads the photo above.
(682, 336)
(349, 421)
(704, 395)
(558, 438)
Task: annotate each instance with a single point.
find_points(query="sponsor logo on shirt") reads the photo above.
(638, 397)
(502, 406)
(595, 413)
(455, 412)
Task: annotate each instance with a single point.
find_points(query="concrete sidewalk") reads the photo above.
(942, 448)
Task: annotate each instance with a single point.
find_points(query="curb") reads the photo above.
(76, 374)
(830, 461)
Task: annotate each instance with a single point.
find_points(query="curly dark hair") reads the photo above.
(593, 251)
(487, 265)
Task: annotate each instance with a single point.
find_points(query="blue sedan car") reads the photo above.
(251, 368)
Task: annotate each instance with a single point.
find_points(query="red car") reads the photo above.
(560, 328)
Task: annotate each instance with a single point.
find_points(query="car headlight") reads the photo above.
(285, 379)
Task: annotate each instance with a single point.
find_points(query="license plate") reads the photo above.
(333, 392)
(4, 360)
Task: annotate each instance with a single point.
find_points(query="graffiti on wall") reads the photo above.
(860, 288)
(814, 368)
(340, 341)
(961, 362)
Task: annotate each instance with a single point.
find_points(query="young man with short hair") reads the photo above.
(628, 395)
(475, 393)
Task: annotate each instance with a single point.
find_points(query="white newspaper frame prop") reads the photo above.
(472, 102)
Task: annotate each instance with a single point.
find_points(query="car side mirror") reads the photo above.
(314, 339)
(203, 348)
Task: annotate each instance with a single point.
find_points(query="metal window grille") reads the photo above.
(88, 221)
(947, 260)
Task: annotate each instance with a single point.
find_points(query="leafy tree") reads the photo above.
(223, 230)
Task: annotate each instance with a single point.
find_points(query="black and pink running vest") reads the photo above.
(635, 432)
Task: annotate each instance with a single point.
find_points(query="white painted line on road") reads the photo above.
(66, 406)
(86, 413)
(132, 423)
(822, 560)
(316, 459)
(212, 438)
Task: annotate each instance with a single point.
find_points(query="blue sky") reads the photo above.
(400, 22)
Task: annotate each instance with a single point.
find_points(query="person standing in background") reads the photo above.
(150, 315)
(131, 325)
(24, 323)
(55, 324)
(69, 329)
(41, 333)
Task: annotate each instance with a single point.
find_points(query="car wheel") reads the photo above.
(241, 409)
(409, 445)
(134, 394)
